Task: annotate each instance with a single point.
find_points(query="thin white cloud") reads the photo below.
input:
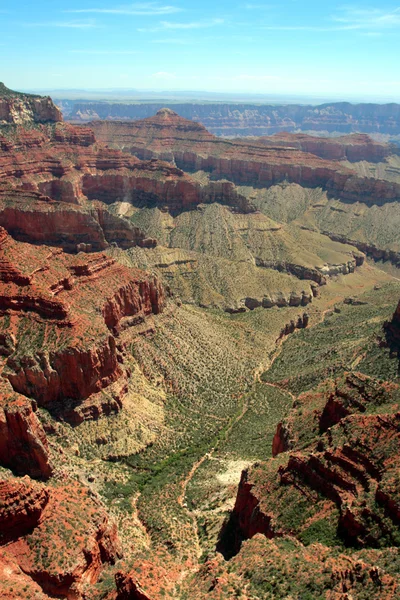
(103, 52)
(139, 8)
(301, 28)
(351, 19)
(179, 41)
(192, 25)
(170, 25)
(66, 24)
(373, 18)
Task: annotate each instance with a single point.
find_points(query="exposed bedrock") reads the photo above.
(354, 148)
(178, 194)
(318, 275)
(371, 250)
(19, 108)
(168, 136)
(128, 588)
(348, 471)
(28, 217)
(22, 503)
(280, 300)
(338, 182)
(71, 528)
(23, 443)
(252, 119)
(75, 373)
(77, 305)
(135, 298)
(392, 331)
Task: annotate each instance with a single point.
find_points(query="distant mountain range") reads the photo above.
(239, 119)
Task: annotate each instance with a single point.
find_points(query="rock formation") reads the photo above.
(346, 475)
(60, 536)
(48, 174)
(249, 119)
(167, 136)
(354, 148)
(19, 108)
(392, 330)
(23, 443)
(67, 296)
(112, 397)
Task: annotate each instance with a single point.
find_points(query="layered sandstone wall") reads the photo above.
(191, 147)
(249, 119)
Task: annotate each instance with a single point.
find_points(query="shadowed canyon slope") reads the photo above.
(199, 392)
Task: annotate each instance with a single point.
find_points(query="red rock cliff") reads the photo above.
(77, 304)
(170, 137)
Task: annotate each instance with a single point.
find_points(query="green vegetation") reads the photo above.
(5, 92)
(345, 340)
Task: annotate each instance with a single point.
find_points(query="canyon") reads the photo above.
(199, 337)
(167, 136)
(250, 119)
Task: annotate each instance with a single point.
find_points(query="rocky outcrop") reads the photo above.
(22, 503)
(47, 176)
(64, 298)
(392, 330)
(301, 323)
(341, 476)
(128, 588)
(66, 548)
(346, 473)
(132, 300)
(282, 440)
(279, 299)
(14, 583)
(23, 443)
(353, 395)
(371, 250)
(353, 148)
(318, 275)
(75, 373)
(18, 108)
(250, 119)
(30, 217)
(168, 136)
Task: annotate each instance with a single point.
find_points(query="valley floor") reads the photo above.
(230, 383)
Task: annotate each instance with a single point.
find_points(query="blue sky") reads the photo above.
(299, 47)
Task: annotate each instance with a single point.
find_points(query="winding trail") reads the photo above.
(209, 455)
(262, 368)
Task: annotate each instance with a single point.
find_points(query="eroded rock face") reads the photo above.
(347, 472)
(128, 588)
(18, 108)
(14, 583)
(354, 148)
(392, 330)
(250, 119)
(70, 535)
(22, 503)
(47, 175)
(65, 298)
(168, 136)
(23, 443)
(285, 567)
